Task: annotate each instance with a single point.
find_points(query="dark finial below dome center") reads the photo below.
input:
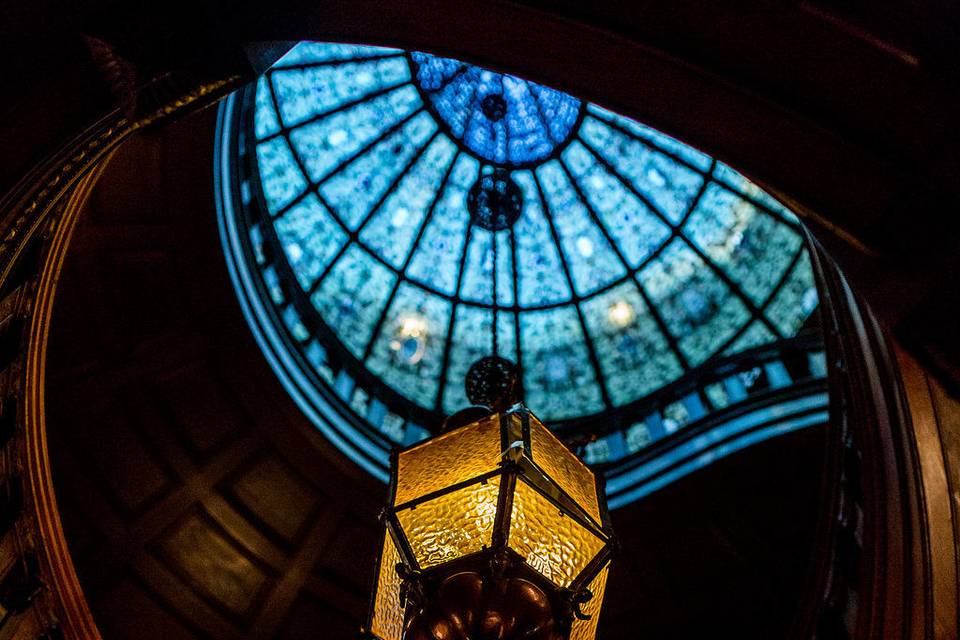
(495, 201)
(494, 382)
(494, 107)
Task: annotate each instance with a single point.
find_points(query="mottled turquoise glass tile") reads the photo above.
(541, 277)
(637, 231)
(265, 121)
(755, 335)
(592, 261)
(635, 356)
(670, 186)
(695, 303)
(477, 285)
(394, 226)
(280, 178)
(741, 185)
(655, 138)
(310, 238)
(408, 352)
(352, 296)
(752, 247)
(330, 142)
(436, 259)
(559, 380)
(797, 299)
(312, 53)
(353, 192)
(305, 93)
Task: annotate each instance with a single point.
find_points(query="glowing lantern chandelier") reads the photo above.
(494, 530)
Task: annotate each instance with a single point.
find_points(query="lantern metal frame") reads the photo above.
(497, 561)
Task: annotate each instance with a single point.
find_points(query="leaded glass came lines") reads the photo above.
(634, 257)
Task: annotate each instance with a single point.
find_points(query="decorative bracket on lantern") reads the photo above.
(492, 523)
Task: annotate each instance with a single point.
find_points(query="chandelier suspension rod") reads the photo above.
(493, 243)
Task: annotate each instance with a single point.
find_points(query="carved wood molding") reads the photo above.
(40, 214)
(894, 554)
(76, 620)
(933, 473)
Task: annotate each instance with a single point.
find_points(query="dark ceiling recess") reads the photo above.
(199, 503)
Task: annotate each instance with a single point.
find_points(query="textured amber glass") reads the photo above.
(453, 457)
(554, 544)
(452, 525)
(587, 629)
(564, 468)
(387, 620)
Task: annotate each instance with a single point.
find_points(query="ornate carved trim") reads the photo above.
(76, 620)
(47, 202)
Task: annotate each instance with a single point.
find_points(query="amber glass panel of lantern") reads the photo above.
(587, 629)
(453, 524)
(387, 620)
(564, 468)
(554, 544)
(450, 458)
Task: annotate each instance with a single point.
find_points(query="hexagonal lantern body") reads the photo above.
(493, 523)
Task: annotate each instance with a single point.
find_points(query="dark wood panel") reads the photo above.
(205, 417)
(136, 613)
(309, 615)
(196, 497)
(216, 565)
(268, 490)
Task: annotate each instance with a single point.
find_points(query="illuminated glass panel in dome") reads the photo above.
(633, 258)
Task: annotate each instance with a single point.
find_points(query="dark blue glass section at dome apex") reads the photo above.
(501, 118)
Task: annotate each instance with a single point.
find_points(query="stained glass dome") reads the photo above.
(395, 202)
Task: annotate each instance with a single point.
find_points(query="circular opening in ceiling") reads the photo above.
(380, 208)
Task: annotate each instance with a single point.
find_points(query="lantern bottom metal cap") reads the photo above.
(472, 606)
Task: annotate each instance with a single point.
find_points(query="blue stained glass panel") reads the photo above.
(593, 263)
(352, 296)
(740, 184)
(477, 283)
(634, 355)
(394, 226)
(314, 53)
(266, 122)
(796, 300)
(410, 360)
(753, 336)
(310, 238)
(326, 144)
(698, 308)
(305, 93)
(281, 181)
(540, 272)
(751, 246)
(636, 229)
(559, 380)
(436, 259)
(670, 186)
(498, 117)
(655, 138)
(354, 191)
